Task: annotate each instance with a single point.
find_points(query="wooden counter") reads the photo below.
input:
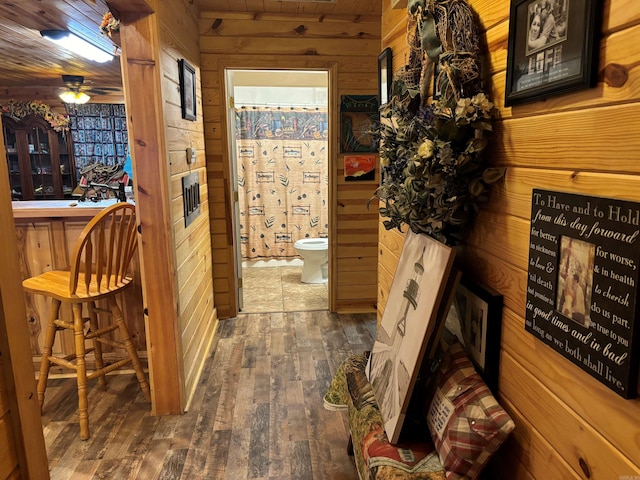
(59, 208)
(46, 232)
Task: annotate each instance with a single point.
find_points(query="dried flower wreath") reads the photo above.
(433, 171)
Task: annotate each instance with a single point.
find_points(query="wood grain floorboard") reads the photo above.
(257, 412)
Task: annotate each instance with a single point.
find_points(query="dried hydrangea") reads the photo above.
(433, 171)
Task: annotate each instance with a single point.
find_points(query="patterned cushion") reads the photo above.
(336, 396)
(467, 424)
(384, 461)
(375, 457)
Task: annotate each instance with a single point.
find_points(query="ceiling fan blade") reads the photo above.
(103, 90)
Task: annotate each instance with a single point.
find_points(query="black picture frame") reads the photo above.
(475, 316)
(359, 116)
(582, 294)
(385, 75)
(553, 48)
(187, 89)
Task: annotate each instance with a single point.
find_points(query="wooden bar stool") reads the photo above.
(99, 266)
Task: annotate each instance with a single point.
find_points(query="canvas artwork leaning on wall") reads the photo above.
(407, 323)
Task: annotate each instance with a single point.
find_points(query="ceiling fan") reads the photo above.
(77, 91)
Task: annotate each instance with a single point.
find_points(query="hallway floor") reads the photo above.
(279, 289)
(257, 412)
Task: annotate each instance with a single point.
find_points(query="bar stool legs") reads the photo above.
(81, 370)
(49, 338)
(79, 356)
(125, 339)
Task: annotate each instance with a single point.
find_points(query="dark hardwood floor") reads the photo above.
(257, 412)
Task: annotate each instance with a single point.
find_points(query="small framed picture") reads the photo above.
(187, 89)
(385, 75)
(553, 48)
(475, 317)
(358, 119)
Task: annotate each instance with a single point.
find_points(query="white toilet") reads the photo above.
(315, 255)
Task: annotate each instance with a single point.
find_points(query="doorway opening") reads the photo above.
(279, 151)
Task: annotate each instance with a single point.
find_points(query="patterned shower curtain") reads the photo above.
(282, 178)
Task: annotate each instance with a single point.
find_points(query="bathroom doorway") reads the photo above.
(279, 142)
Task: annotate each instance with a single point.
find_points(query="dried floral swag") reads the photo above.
(18, 109)
(434, 174)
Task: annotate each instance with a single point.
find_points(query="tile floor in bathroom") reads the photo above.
(279, 289)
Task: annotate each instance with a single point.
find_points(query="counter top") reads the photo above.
(59, 208)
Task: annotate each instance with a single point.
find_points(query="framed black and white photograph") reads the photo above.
(385, 75)
(475, 317)
(553, 48)
(187, 89)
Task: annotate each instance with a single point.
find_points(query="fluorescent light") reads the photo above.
(77, 45)
(74, 97)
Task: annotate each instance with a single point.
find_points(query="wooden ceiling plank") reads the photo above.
(28, 60)
(272, 6)
(255, 5)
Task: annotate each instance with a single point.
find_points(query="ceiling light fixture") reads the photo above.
(77, 45)
(74, 97)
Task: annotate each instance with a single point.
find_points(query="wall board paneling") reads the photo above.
(349, 48)
(197, 316)
(584, 143)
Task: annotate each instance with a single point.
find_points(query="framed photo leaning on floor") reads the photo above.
(409, 320)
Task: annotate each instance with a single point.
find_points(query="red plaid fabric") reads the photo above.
(466, 422)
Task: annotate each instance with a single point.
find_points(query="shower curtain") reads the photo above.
(282, 178)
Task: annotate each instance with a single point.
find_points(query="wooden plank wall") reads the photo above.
(347, 44)
(394, 36)
(197, 314)
(20, 424)
(9, 460)
(568, 425)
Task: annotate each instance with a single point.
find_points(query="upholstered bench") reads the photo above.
(465, 420)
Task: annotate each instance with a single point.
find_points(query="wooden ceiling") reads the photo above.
(31, 67)
(337, 7)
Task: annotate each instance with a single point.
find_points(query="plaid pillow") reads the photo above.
(466, 422)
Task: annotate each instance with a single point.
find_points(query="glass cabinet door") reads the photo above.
(41, 168)
(13, 162)
(66, 168)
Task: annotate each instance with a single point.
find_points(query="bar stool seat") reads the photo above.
(98, 271)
